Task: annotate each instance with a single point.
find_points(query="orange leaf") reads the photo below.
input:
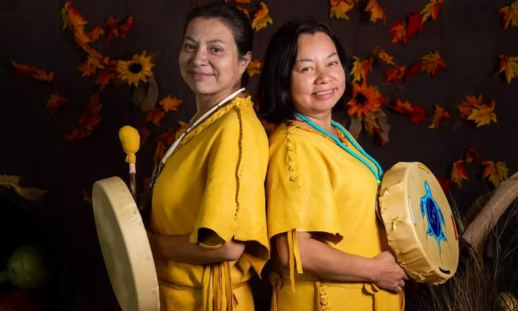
(370, 123)
(155, 115)
(483, 114)
(472, 156)
(170, 104)
(244, 11)
(95, 34)
(125, 27)
(458, 173)
(509, 65)
(418, 114)
(243, 1)
(438, 116)
(254, 67)
(376, 12)
(386, 58)
(445, 184)
(33, 71)
(75, 22)
(433, 63)
(108, 73)
(395, 74)
(398, 32)
(55, 102)
(413, 70)
(90, 66)
(366, 99)
(496, 173)
(91, 116)
(405, 108)
(144, 135)
(360, 70)
(261, 18)
(431, 9)
(466, 108)
(414, 25)
(339, 11)
(510, 14)
(113, 30)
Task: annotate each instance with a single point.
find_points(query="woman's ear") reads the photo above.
(244, 61)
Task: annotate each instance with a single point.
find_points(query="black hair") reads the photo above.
(273, 94)
(234, 19)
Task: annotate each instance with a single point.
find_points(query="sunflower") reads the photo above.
(366, 99)
(135, 70)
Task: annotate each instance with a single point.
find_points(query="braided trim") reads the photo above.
(239, 171)
(237, 102)
(292, 153)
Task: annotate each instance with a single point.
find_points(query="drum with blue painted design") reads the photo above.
(419, 223)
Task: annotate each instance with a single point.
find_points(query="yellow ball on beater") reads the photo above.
(130, 140)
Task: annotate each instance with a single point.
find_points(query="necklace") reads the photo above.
(377, 174)
(160, 166)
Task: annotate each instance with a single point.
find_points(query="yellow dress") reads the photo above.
(313, 185)
(214, 180)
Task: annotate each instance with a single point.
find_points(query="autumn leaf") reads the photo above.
(96, 33)
(431, 9)
(403, 107)
(510, 14)
(433, 63)
(254, 67)
(386, 58)
(261, 18)
(398, 32)
(483, 114)
(125, 27)
(339, 11)
(366, 99)
(395, 74)
(244, 11)
(90, 118)
(159, 152)
(472, 156)
(144, 135)
(87, 196)
(113, 30)
(370, 124)
(496, 173)
(360, 70)
(414, 25)
(33, 71)
(466, 108)
(445, 184)
(74, 22)
(90, 66)
(376, 12)
(155, 115)
(243, 1)
(458, 172)
(77, 134)
(438, 116)
(413, 70)
(55, 102)
(509, 65)
(107, 74)
(170, 104)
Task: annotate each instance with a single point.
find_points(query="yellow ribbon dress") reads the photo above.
(313, 185)
(214, 180)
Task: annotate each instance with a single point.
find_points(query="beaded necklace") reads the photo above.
(377, 174)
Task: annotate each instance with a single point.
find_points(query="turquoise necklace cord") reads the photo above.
(377, 174)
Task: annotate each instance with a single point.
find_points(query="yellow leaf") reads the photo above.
(510, 14)
(370, 123)
(254, 67)
(466, 108)
(96, 33)
(509, 65)
(386, 58)
(433, 63)
(458, 172)
(431, 9)
(437, 117)
(358, 72)
(496, 173)
(170, 104)
(483, 114)
(376, 12)
(338, 11)
(261, 18)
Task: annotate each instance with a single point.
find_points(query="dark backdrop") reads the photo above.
(468, 33)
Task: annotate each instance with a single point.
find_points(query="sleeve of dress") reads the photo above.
(299, 192)
(233, 204)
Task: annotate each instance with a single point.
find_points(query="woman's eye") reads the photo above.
(190, 46)
(333, 63)
(216, 50)
(307, 69)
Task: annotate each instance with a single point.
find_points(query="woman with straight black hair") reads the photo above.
(208, 216)
(321, 187)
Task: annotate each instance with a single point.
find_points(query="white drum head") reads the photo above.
(125, 246)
